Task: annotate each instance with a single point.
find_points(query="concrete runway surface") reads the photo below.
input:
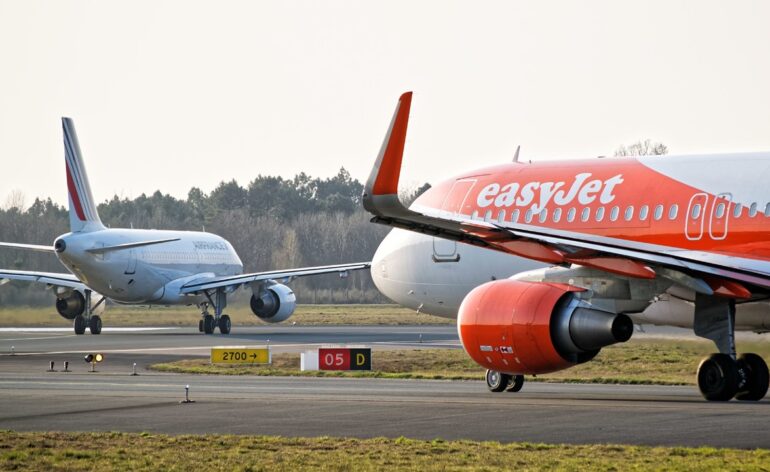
(112, 400)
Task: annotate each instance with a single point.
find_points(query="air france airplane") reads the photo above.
(133, 266)
(557, 259)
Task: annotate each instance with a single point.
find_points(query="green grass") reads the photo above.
(307, 315)
(144, 451)
(660, 362)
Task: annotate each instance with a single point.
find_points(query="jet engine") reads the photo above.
(535, 328)
(273, 303)
(73, 303)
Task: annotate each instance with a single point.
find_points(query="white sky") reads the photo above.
(173, 94)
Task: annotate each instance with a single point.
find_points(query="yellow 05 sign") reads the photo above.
(240, 355)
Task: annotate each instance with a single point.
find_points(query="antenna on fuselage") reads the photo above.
(516, 154)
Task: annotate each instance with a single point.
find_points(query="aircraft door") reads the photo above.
(720, 215)
(445, 250)
(696, 216)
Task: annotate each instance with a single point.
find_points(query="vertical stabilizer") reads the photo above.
(83, 215)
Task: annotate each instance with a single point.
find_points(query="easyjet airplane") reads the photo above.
(558, 258)
(133, 266)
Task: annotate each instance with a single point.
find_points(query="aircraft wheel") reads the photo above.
(718, 377)
(515, 383)
(224, 324)
(208, 324)
(79, 324)
(757, 377)
(200, 325)
(497, 381)
(95, 324)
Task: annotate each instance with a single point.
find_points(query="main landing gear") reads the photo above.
(208, 323)
(86, 319)
(499, 381)
(724, 375)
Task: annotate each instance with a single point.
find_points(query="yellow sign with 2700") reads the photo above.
(240, 355)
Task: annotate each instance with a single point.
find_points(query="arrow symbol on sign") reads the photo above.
(254, 355)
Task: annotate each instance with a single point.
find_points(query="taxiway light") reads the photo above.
(94, 357)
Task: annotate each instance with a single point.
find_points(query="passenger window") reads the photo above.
(721, 210)
(643, 212)
(767, 209)
(753, 210)
(556, 215)
(515, 216)
(673, 211)
(614, 213)
(528, 216)
(501, 216)
(737, 210)
(658, 212)
(475, 215)
(600, 214)
(488, 216)
(695, 212)
(572, 212)
(629, 213)
(543, 215)
(586, 214)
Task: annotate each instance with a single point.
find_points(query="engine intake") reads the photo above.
(71, 306)
(274, 303)
(535, 328)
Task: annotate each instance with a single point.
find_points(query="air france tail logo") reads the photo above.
(539, 194)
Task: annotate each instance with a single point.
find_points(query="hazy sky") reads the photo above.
(173, 94)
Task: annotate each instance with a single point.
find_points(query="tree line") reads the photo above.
(273, 223)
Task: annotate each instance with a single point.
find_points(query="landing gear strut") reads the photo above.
(209, 323)
(499, 381)
(86, 319)
(723, 376)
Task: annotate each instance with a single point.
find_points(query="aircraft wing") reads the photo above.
(49, 278)
(236, 281)
(703, 272)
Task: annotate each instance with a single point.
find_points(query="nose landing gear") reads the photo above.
(499, 381)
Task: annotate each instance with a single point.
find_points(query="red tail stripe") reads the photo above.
(74, 195)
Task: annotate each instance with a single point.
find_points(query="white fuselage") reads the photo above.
(433, 275)
(151, 273)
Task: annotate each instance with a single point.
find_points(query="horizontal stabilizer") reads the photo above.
(118, 247)
(29, 247)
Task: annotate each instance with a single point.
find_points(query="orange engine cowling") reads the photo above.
(534, 328)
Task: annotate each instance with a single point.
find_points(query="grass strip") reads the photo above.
(306, 315)
(652, 362)
(144, 451)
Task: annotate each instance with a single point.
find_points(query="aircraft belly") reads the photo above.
(754, 316)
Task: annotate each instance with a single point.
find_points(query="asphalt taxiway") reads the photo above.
(113, 400)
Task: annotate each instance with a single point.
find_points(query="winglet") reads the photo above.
(387, 169)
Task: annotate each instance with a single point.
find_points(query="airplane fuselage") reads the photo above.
(151, 273)
(708, 208)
